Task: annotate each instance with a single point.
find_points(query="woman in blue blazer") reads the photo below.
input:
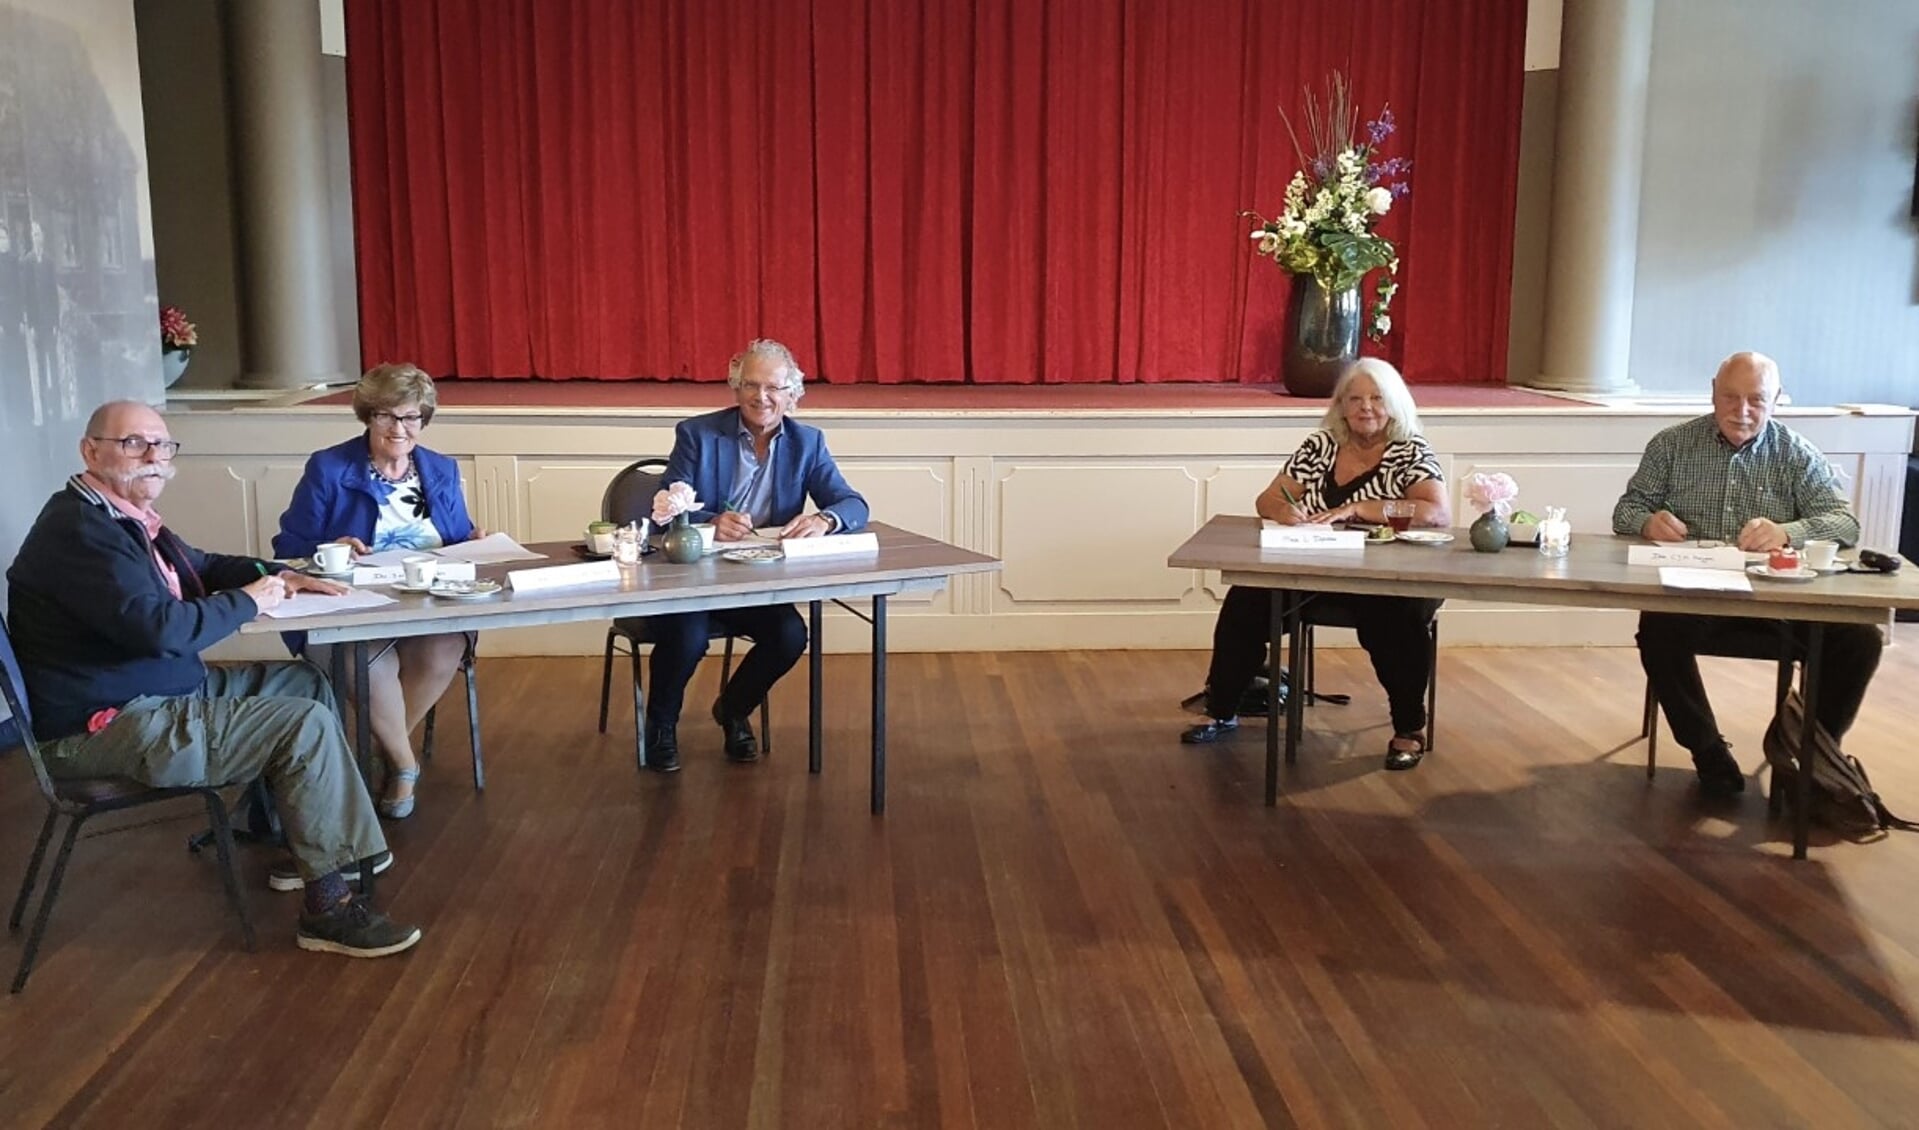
(381, 490)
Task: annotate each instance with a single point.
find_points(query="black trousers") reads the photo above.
(1392, 629)
(679, 643)
(1670, 645)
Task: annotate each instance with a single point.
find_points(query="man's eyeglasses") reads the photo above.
(753, 388)
(137, 446)
(411, 421)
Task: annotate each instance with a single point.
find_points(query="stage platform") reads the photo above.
(1081, 490)
(584, 395)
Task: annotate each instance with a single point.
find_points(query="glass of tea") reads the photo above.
(1399, 514)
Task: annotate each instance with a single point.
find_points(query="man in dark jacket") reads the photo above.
(109, 613)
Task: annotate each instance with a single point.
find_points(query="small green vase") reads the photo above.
(682, 542)
(1490, 534)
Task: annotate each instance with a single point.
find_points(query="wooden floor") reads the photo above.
(1066, 919)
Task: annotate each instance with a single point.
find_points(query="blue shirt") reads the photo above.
(752, 486)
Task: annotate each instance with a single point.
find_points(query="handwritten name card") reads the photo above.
(1272, 535)
(1687, 557)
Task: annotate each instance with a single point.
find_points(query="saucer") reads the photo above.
(1424, 537)
(753, 556)
(465, 590)
(588, 552)
(403, 586)
(1796, 576)
(313, 570)
(1380, 535)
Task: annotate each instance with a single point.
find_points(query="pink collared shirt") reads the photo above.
(149, 520)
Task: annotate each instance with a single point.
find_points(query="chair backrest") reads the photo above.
(17, 728)
(629, 497)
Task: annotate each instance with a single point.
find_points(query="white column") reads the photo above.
(1605, 58)
(288, 335)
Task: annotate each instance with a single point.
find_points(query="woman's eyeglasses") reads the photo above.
(137, 446)
(411, 421)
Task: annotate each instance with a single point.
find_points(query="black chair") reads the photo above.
(79, 799)
(1762, 640)
(628, 498)
(472, 715)
(1325, 614)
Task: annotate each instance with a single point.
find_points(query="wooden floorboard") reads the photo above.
(1066, 919)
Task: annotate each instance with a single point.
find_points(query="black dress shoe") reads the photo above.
(1719, 773)
(662, 749)
(741, 746)
(1206, 733)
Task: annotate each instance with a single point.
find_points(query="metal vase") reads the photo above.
(1322, 336)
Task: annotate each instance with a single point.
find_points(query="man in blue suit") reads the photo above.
(753, 467)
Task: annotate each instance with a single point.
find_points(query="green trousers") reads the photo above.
(271, 720)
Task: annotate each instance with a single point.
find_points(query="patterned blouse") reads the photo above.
(404, 520)
(1405, 463)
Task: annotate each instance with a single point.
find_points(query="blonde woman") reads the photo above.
(1367, 451)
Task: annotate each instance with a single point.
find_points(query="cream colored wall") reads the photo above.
(1083, 509)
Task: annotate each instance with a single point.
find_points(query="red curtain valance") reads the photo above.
(950, 190)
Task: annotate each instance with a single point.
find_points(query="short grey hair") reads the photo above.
(1401, 413)
(766, 349)
(386, 387)
(1766, 367)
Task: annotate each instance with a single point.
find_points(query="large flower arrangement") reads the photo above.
(175, 331)
(1340, 191)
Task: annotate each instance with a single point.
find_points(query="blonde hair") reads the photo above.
(386, 387)
(1402, 415)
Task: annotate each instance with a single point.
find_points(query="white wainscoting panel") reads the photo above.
(1087, 531)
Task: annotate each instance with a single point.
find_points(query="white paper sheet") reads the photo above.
(1712, 580)
(320, 604)
(489, 550)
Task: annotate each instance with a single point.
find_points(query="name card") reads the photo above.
(1687, 556)
(396, 574)
(563, 576)
(832, 545)
(1272, 535)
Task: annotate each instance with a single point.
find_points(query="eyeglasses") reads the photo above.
(754, 388)
(138, 446)
(411, 421)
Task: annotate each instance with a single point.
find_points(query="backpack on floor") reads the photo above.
(1843, 798)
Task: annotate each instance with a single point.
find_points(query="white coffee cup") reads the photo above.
(333, 556)
(1821, 553)
(420, 570)
(706, 535)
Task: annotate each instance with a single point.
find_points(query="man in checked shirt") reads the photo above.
(1741, 477)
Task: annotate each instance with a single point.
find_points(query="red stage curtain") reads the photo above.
(949, 190)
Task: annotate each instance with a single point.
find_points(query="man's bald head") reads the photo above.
(138, 478)
(1744, 393)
